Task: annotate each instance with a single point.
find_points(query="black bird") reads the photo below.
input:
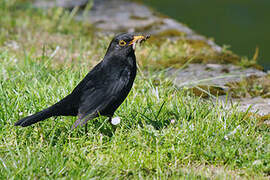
(103, 89)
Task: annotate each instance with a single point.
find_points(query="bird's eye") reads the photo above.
(122, 43)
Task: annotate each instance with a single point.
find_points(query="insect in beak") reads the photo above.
(138, 39)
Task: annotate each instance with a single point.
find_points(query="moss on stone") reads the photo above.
(138, 17)
(206, 91)
(170, 33)
(251, 87)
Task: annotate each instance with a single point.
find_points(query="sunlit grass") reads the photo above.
(164, 132)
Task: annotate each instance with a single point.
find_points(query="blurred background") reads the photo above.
(241, 24)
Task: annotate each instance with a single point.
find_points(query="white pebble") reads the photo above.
(116, 120)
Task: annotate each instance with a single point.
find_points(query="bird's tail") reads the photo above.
(65, 107)
(40, 116)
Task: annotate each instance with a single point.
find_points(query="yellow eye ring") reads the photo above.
(122, 43)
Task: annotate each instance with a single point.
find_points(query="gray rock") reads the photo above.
(69, 4)
(118, 15)
(258, 105)
(217, 75)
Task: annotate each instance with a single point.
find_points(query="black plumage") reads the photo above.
(103, 89)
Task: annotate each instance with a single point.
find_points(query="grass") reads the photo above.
(164, 132)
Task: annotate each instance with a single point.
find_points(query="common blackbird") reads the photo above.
(103, 89)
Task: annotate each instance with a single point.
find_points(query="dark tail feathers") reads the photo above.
(65, 107)
(40, 116)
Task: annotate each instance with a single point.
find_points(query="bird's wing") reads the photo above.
(97, 98)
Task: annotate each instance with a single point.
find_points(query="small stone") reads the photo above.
(116, 120)
(214, 66)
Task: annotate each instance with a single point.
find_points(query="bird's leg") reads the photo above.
(85, 130)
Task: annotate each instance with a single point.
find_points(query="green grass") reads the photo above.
(164, 132)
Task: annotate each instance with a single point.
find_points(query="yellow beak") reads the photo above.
(138, 38)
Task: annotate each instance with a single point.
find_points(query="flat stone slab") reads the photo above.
(258, 105)
(218, 75)
(210, 74)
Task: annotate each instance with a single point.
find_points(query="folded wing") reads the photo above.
(96, 99)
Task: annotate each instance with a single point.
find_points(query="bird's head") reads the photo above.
(124, 44)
